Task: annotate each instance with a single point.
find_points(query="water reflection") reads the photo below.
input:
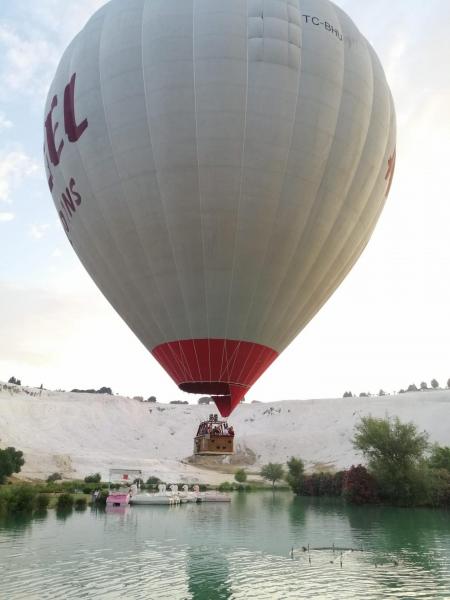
(63, 513)
(208, 574)
(228, 552)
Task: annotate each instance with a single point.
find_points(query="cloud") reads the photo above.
(14, 167)
(6, 216)
(4, 122)
(27, 62)
(37, 232)
(31, 51)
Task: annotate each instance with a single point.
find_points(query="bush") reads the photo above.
(80, 503)
(440, 457)
(295, 474)
(204, 400)
(321, 484)
(152, 482)
(440, 484)
(65, 501)
(240, 476)
(226, 486)
(42, 501)
(359, 486)
(94, 478)
(102, 390)
(3, 505)
(101, 499)
(21, 498)
(54, 477)
(11, 461)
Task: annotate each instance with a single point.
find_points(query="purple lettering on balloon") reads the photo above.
(50, 176)
(50, 130)
(68, 202)
(73, 130)
(75, 194)
(63, 221)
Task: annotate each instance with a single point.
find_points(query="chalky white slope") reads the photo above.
(79, 434)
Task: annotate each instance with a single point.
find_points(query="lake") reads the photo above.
(228, 551)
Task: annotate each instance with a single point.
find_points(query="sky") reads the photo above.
(388, 325)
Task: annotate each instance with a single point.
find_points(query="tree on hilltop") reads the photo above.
(434, 384)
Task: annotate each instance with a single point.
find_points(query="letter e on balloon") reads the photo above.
(72, 129)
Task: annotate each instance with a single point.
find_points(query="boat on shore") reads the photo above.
(197, 496)
(213, 497)
(161, 497)
(118, 498)
(126, 478)
(174, 497)
(155, 499)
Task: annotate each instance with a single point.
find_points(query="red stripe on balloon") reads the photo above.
(223, 369)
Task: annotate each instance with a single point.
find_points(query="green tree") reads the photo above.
(412, 388)
(395, 456)
(11, 461)
(295, 476)
(152, 482)
(382, 393)
(434, 384)
(440, 457)
(272, 472)
(95, 478)
(240, 476)
(448, 383)
(423, 385)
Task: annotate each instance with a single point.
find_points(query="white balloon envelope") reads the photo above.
(218, 167)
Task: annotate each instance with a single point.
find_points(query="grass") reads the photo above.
(54, 498)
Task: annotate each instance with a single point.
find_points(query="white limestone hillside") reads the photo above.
(77, 434)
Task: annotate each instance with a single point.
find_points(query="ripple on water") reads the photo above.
(228, 553)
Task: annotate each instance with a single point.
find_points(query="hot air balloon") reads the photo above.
(218, 167)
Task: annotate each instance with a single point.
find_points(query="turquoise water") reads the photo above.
(228, 551)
